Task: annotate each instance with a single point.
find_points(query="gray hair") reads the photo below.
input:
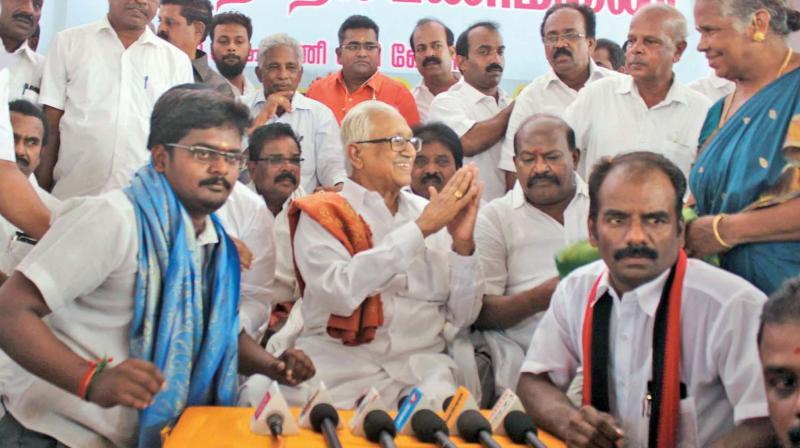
(782, 18)
(357, 124)
(674, 22)
(278, 40)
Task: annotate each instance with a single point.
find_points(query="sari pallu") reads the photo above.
(753, 162)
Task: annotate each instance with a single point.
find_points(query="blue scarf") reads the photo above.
(185, 318)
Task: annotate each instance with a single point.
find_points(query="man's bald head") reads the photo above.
(544, 123)
(669, 18)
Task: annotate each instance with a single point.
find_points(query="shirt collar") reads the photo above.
(647, 295)
(147, 37)
(475, 96)
(208, 235)
(518, 195)
(595, 72)
(25, 51)
(675, 94)
(299, 101)
(374, 82)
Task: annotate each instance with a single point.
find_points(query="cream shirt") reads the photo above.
(719, 355)
(6, 133)
(26, 74)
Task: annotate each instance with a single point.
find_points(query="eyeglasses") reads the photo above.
(209, 155)
(397, 143)
(552, 39)
(357, 46)
(278, 160)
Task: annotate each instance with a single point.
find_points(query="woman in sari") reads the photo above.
(746, 180)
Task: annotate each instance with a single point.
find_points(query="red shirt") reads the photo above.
(332, 92)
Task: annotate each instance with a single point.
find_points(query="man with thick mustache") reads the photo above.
(19, 19)
(666, 344)
(98, 101)
(551, 203)
(280, 68)
(230, 47)
(438, 160)
(650, 110)
(779, 347)
(432, 43)
(568, 34)
(476, 108)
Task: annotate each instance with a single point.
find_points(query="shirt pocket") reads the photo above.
(687, 432)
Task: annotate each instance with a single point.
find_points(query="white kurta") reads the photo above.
(321, 145)
(460, 108)
(517, 244)
(423, 97)
(609, 117)
(26, 74)
(546, 94)
(107, 93)
(712, 87)
(423, 285)
(6, 133)
(719, 354)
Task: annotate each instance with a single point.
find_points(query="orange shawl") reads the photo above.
(338, 217)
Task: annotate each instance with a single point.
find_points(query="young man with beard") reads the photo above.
(231, 33)
(432, 42)
(438, 160)
(518, 237)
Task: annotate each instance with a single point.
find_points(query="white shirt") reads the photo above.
(517, 244)
(85, 267)
(546, 94)
(286, 289)
(719, 354)
(422, 283)
(321, 147)
(713, 87)
(461, 107)
(26, 74)
(107, 93)
(6, 133)
(250, 91)
(423, 97)
(245, 216)
(609, 117)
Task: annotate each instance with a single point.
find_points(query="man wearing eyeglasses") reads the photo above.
(379, 274)
(568, 35)
(359, 80)
(280, 68)
(650, 110)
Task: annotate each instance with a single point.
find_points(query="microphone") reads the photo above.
(272, 415)
(794, 435)
(379, 428)
(324, 418)
(521, 430)
(473, 428)
(430, 428)
(455, 405)
(507, 403)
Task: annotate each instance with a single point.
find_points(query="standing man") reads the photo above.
(649, 110)
(438, 160)
(519, 235)
(432, 42)
(359, 53)
(780, 358)
(230, 47)
(186, 24)
(666, 344)
(568, 34)
(476, 108)
(609, 55)
(98, 102)
(19, 19)
(280, 68)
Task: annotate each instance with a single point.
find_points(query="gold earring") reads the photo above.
(759, 36)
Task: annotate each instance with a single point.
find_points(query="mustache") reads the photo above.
(286, 176)
(794, 436)
(636, 251)
(546, 177)
(163, 35)
(494, 66)
(216, 180)
(23, 160)
(21, 15)
(561, 51)
(432, 177)
(141, 9)
(431, 60)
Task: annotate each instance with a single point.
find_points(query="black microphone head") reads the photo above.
(446, 403)
(425, 424)
(321, 412)
(376, 422)
(794, 435)
(470, 424)
(517, 424)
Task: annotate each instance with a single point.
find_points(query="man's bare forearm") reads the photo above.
(49, 157)
(549, 406)
(19, 203)
(501, 312)
(483, 134)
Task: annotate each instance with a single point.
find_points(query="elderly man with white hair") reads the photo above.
(280, 68)
(650, 110)
(380, 275)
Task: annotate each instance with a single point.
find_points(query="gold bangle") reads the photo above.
(715, 228)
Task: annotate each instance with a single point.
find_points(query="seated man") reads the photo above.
(441, 155)
(519, 235)
(85, 312)
(778, 345)
(667, 346)
(375, 302)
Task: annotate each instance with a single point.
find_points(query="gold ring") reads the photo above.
(458, 194)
